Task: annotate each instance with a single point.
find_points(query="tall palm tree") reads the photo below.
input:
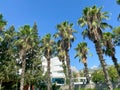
(92, 19)
(24, 42)
(82, 51)
(65, 35)
(48, 48)
(109, 49)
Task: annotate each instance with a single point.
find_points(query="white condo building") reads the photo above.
(57, 74)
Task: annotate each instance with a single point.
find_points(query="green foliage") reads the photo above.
(48, 46)
(98, 75)
(117, 89)
(113, 73)
(2, 22)
(92, 20)
(118, 2)
(82, 51)
(116, 33)
(10, 45)
(108, 44)
(8, 65)
(65, 34)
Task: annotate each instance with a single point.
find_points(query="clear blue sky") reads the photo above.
(49, 13)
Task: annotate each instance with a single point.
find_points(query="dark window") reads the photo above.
(58, 80)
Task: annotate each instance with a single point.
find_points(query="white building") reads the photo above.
(56, 69)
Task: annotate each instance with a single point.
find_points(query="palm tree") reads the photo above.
(93, 20)
(65, 35)
(24, 42)
(48, 48)
(82, 51)
(118, 2)
(109, 49)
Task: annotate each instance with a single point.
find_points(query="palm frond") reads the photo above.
(118, 2)
(85, 33)
(118, 18)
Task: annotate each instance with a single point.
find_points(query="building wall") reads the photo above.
(56, 68)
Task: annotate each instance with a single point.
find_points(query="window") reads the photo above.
(58, 80)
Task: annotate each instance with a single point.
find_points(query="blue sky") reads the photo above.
(49, 13)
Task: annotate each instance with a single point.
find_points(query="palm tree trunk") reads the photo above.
(86, 73)
(23, 69)
(103, 64)
(69, 70)
(64, 68)
(23, 74)
(48, 74)
(114, 59)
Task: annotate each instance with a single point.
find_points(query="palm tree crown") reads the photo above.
(82, 51)
(47, 44)
(108, 43)
(92, 18)
(25, 38)
(65, 33)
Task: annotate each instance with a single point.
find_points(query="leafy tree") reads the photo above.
(92, 19)
(113, 73)
(109, 49)
(2, 22)
(98, 76)
(24, 42)
(82, 51)
(33, 74)
(7, 56)
(65, 36)
(48, 49)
